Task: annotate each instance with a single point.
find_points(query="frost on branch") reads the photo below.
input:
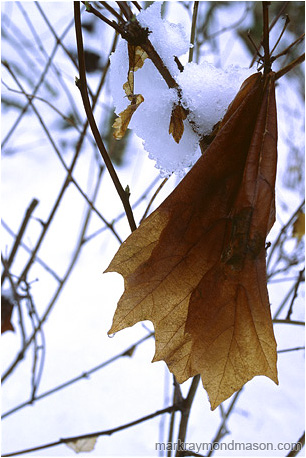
(206, 93)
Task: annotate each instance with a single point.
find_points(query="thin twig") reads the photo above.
(193, 29)
(296, 287)
(290, 66)
(69, 178)
(283, 230)
(157, 61)
(153, 198)
(186, 407)
(61, 80)
(283, 303)
(107, 432)
(285, 321)
(267, 62)
(297, 447)
(287, 350)
(29, 250)
(177, 399)
(41, 99)
(58, 39)
(113, 24)
(21, 354)
(36, 88)
(112, 11)
(23, 277)
(282, 53)
(19, 236)
(281, 34)
(233, 26)
(254, 45)
(126, 10)
(83, 89)
(222, 431)
(274, 21)
(137, 5)
(36, 374)
(84, 375)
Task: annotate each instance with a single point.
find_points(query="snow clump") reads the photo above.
(206, 92)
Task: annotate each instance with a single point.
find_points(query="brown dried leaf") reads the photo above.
(137, 57)
(6, 314)
(83, 445)
(176, 127)
(129, 86)
(299, 226)
(196, 266)
(121, 123)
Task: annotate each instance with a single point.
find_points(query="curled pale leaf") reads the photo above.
(299, 226)
(127, 90)
(196, 267)
(137, 57)
(176, 127)
(83, 445)
(121, 123)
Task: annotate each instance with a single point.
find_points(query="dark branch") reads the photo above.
(91, 120)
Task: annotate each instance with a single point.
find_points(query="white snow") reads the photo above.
(206, 92)
(168, 39)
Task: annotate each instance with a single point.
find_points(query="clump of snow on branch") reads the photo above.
(206, 92)
(169, 40)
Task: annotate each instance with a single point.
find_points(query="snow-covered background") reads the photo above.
(75, 332)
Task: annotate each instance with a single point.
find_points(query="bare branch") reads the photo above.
(19, 236)
(84, 375)
(107, 432)
(297, 447)
(83, 88)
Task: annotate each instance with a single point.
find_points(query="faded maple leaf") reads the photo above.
(137, 57)
(83, 445)
(196, 266)
(176, 127)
